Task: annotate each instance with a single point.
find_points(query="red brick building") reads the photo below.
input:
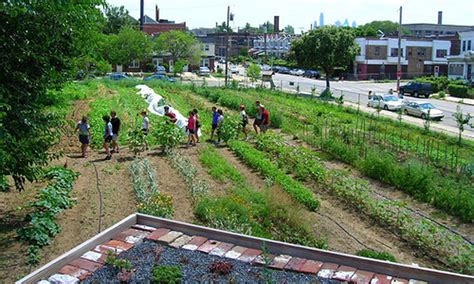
(157, 26)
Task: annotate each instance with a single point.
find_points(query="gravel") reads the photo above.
(195, 268)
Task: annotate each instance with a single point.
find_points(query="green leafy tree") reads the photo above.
(40, 41)
(116, 19)
(249, 29)
(253, 72)
(372, 28)
(178, 67)
(136, 140)
(129, 44)
(461, 120)
(222, 28)
(181, 45)
(326, 48)
(266, 27)
(289, 30)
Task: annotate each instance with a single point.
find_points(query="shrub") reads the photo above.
(165, 274)
(326, 95)
(230, 128)
(438, 83)
(459, 91)
(4, 186)
(442, 94)
(221, 267)
(382, 255)
(159, 204)
(168, 135)
(136, 140)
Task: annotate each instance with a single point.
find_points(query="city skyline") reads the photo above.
(300, 13)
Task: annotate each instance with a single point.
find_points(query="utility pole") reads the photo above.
(399, 64)
(227, 46)
(142, 20)
(265, 26)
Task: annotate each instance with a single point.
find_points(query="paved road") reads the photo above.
(353, 91)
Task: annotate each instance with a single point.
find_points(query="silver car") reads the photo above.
(423, 110)
(386, 102)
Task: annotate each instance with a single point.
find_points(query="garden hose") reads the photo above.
(100, 197)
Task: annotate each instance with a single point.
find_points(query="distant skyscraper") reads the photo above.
(321, 20)
(315, 24)
(354, 24)
(346, 23)
(338, 23)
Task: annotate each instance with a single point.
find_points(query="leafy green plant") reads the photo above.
(382, 255)
(136, 141)
(165, 274)
(230, 128)
(253, 72)
(461, 120)
(168, 135)
(159, 204)
(218, 166)
(4, 186)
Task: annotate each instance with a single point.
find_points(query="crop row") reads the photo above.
(422, 233)
(50, 201)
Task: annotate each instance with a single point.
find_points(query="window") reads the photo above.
(206, 47)
(441, 53)
(463, 45)
(204, 62)
(468, 45)
(456, 69)
(394, 52)
(134, 64)
(377, 51)
(421, 51)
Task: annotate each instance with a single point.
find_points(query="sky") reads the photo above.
(302, 13)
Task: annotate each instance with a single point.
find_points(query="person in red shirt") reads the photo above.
(265, 124)
(172, 116)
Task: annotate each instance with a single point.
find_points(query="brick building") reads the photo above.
(157, 26)
(237, 42)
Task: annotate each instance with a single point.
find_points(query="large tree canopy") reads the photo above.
(326, 48)
(40, 41)
(129, 44)
(180, 45)
(117, 18)
(371, 29)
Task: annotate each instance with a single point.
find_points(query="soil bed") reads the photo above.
(195, 268)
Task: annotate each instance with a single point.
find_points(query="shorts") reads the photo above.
(214, 126)
(257, 122)
(84, 139)
(145, 131)
(244, 123)
(107, 139)
(191, 131)
(115, 137)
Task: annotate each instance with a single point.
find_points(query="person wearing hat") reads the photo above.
(258, 119)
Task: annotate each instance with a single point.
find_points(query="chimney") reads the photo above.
(276, 24)
(440, 17)
(157, 13)
(141, 15)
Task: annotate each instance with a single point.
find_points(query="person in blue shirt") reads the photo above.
(215, 117)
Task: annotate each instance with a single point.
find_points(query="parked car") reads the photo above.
(160, 70)
(234, 69)
(204, 71)
(312, 74)
(118, 76)
(386, 102)
(297, 72)
(276, 69)
(266, 67)
(222, 61)
(284, 70)
(159, 77)
(423, 110)
(417, 89)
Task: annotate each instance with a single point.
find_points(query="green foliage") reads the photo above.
(461, 120)
(41, 222)
(326, 95)
(168, 135)
(136, 141)
(253, 72)
(230, 128)
(387, 27)
(382, 255)
(258, 161)
(289, 30)
(438, 84)
(118, 263)
(442, 94)
(178, 67)
(181, 45)
(460, 91)
(52, 35)
(129, 44)
(116, 19)
(326, 48)
(164, 274)
(159, 204)
(218, 167)
(4, 186)
(223, 28)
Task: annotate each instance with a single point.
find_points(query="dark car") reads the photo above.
(417, 89)
(118, 76)
(159, 77)
(276, 69)
(312, 74)
(284, 70)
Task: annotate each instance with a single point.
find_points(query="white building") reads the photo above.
(462, 66)
(276, 45)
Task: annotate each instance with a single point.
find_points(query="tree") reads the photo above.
(40, 41)
(461, 120)
(116, 19)
(372, 28)
(289, 30)
(253, 72)
(326, 48)
(266, 27)
(178, 67)
(181, 45)
(249, 29)
(128, 45)
(222, 28)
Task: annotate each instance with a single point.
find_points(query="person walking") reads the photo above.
(198, 124)
(108, 135)
(370, 94)
(84, 135)
(172, 117)
(220, 120)
(115, 130)
(191, 129)
(145, 127)
(265, 119)
(245, 120)
(258, 119)
(215, 116)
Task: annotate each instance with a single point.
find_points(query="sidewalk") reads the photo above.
(459, 100)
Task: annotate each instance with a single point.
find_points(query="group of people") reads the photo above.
(112, 126)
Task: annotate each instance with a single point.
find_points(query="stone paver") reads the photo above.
(170, 237)
(105, 249)
(249, 255)
(221, 249)
(86, 264)
(362, 277)
(76, 272)
(208, 246)
(279, 262)
(195, 242)
(413, 281)
(327, 270)
(63, 278)
(381, 279)
(158, 233)
(261, 259)
(295, 264)
(311, 266)
(399, 281)
(131, 236)
(119, 245)
(235, 252)
(94, 256)
(181, 241)
(344, 273)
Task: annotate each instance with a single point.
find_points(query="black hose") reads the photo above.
(100, 197)
(342, 228)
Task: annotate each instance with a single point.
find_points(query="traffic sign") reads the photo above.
(399, 74)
